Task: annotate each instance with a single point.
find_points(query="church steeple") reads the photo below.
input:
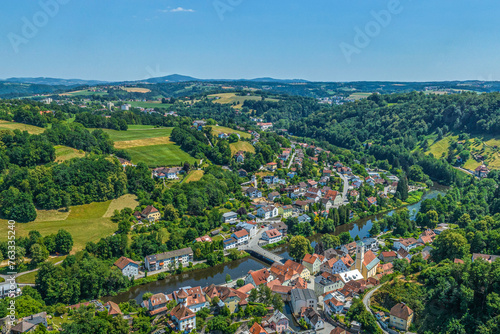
(360, 255)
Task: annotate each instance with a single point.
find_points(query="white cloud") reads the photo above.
(177, 10)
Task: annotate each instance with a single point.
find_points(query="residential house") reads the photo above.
(403, 254)
(113, 309)
(30, 323)
(407, 244)
(302, 270)
(281, 227)
(334, 302)
(481, 171)
(336, 266)
(230, 243)
(150, 214)
(156, 304)
(240, 157)
(192, 298)
(312, 318)
(241, 237)
(327, 172)
(303, 205)
(304, 218)
(167, 173)
(264, 126)
(258, 277)
(485, 257)
(327, 282)
(333, 253)
(283, 274)
(401, 317)
(227, 296)
(250, 227)
(388, 256)
(278, 322)
(312, 263)
(267, 212)
(349, 248)
(354, 193)
(273, 195)
(183, 318)
(270, 179)
(300, 298)
(164, 260)
(229, 217)
(127, 266)
(257, 329)
(312, 183)
(370, 243)
(287, 211)
(334, 196)
(328, 204)
(253, 192)
(272, 166)
(371, 201)
(366, 262)
(272, 236)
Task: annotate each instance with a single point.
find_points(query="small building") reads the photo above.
(273, 195)
(272, 236)
(150, 214)
(257, 329)
(183, 318)
(164, 260)
(312, 263)
(230, 243)
(253, 192)
(229, 217)
(401, 317)
(267, 212)
(250, 227)
(312, 318)
(407, 244)
(300, 298)
(29, 323)
(113, 309)
(388, 256)
(272, 166)
(281, 227)
(278, 322)
(241, 237)
(304, 218)
(352, 275)
(481, 171)
(127, 266)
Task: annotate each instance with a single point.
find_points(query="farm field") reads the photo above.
(139, 132)
(194, 175)
(225, 98)
(359, 96)
(84, 92)
(140, 104)
(160, 155)
(6, 125)
(477, 145)
(64, 153)
(221, 129)
(241, 146)
(88, 222)
(136, 89)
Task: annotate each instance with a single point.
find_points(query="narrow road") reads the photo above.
(366, 302)
(464, 170)
(291, 160)
(345, 188)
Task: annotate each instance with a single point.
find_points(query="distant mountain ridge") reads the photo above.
(55, 81)
(173, 78)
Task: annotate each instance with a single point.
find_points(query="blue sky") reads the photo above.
(135, 39)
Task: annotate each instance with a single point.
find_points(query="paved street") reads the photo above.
(366, 301)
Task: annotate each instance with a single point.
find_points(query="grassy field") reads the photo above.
(150, 104)
(64, 153)
(241, 146)
(359, 96)
(194, 175)
(221, 129)
(6, 125)
(84, 92)
(477, 145)
(138, 133)
(135, 89)
(89, 222)
(125, 144)
(160, 155)
(225, 98)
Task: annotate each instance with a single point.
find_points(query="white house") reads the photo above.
(267, 212)
(230, 243)
(128, 267)
(272, 236)
(253, 192)
(312, 317)
(250, 227)
(164, 260)
(406, 244)
(241, 237)
(229, 217)
(183, 318)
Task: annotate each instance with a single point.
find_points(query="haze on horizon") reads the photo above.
(116, 40)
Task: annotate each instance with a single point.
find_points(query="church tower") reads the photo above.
(360, 255)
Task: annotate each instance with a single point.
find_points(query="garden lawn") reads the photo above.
(160, 155)
(194, 175)
(6, 125)
(241, 146)
(138, 132)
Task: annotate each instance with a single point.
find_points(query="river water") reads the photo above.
(239, 268)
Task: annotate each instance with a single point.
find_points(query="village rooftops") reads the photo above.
(123, 262)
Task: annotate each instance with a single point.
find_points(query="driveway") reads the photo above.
(366, 302)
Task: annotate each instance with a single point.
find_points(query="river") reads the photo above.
(239, 268)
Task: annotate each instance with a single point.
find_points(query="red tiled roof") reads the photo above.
(123, 262)
(401, 311)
